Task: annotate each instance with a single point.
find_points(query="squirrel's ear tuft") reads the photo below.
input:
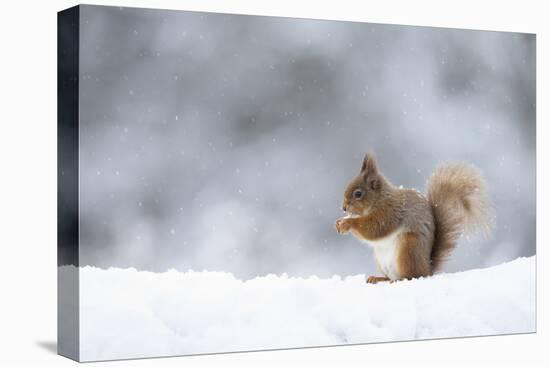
(369, 165)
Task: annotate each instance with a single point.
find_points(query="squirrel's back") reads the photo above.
(417, 214)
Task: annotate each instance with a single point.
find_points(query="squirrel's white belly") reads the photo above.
(385, 251)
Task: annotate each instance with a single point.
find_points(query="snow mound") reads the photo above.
(126, 313)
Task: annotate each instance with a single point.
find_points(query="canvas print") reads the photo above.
(237, 183)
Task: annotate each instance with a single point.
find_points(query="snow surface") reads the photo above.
(126, 313)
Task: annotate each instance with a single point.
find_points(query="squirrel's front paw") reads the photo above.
(343, 225)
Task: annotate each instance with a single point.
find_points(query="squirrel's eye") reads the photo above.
(358, 194)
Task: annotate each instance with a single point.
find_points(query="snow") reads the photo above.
(125, 313)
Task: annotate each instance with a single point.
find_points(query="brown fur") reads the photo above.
(458, 195)
(374, 279)
(430, 226)
(375, 225)
(410, 261)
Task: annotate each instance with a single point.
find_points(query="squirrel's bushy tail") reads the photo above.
(457, 193)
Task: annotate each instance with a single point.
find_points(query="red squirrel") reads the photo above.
(413, 235)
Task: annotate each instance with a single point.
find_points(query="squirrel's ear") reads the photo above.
(369, 165)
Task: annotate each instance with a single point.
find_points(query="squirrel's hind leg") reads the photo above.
(412, 257)
(374, 279)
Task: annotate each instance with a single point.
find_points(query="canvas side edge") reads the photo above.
(68, 43)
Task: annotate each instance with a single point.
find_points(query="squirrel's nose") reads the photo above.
(344, 207)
